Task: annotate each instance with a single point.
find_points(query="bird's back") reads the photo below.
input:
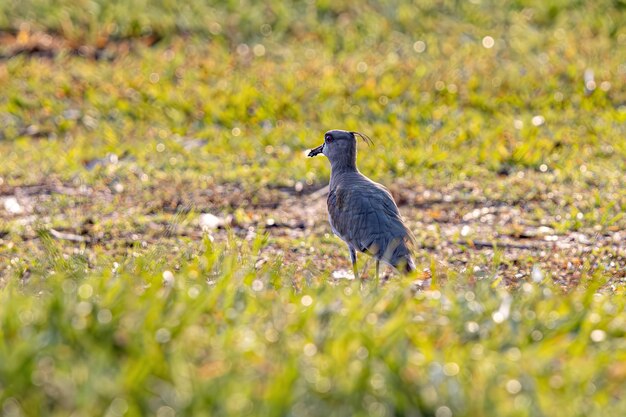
(364, 215)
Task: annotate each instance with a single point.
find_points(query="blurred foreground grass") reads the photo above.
(222, 336)
(122, 124)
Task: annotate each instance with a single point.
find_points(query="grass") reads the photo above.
(498, 128)
(220, 336)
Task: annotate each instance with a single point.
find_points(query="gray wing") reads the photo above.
(366, 217)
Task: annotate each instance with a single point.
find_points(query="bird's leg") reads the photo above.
(353, 259)
(377, 268)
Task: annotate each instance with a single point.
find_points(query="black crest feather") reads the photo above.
(365, 138)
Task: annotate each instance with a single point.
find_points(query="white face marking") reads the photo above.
(325, 149)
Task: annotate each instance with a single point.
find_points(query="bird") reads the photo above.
(362, 212)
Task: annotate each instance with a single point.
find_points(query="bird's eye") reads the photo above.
(328, 138)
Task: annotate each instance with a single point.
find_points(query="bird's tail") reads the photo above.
(399, 255)
(408, 264)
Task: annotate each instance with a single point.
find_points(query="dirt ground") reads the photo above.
(460, 228)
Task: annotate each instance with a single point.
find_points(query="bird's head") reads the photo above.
(340, 145)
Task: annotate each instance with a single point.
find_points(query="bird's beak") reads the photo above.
(317, 150)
